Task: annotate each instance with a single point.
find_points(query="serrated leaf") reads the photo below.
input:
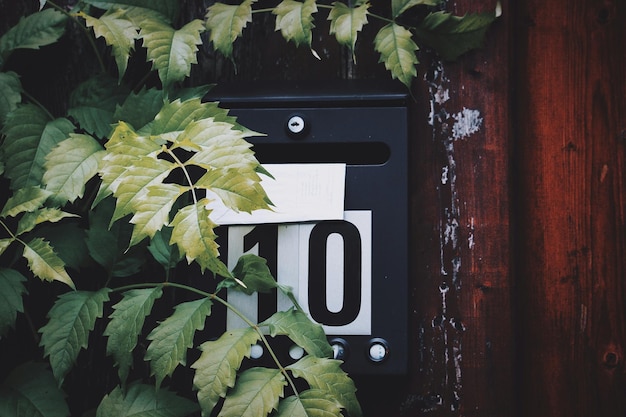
(239, 189)
(172, 51)
(346, 22)
(33, 31)
(140, 109)
(140, 400)
(118, 32)
(93, 103)
(193, 234)
(175, 116)
(10, 94)
(216, 369)
(397, 51)
(5, 243)
(25, 199)
(253, 271)
(71, 318)
(400, 6)
(326, 374)
(44, 263)
(31, 391)
(310, 403)
(152, 212)
(32, 219)
(172, 337)
(135, 183)
(70, 165)
(108, 244)
(11, 291)
(294, 19)
(125, 325)
(301, 330)
(226, 23)
(30, 135)
(166, 8)
(452, 36)
(255, 394)
(165, 254)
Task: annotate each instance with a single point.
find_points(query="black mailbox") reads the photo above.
(363, 302)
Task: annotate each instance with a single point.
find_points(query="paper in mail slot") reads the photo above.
(300, 193)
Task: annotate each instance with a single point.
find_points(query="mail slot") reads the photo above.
(350, 274)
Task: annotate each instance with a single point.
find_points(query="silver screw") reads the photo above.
(295, 124)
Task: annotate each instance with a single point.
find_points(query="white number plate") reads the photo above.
(328, 264)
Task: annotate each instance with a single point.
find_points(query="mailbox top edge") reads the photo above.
(349, 93)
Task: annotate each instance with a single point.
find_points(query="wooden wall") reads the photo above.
(517, 208)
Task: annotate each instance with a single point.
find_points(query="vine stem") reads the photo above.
(182, 166)
(225, 303)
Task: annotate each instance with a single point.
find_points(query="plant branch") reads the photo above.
(182, 166)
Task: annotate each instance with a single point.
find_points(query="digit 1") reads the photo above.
(351, 304)
(266, 236)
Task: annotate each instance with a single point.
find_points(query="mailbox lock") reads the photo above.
(296, 125)
(340, 348)
(378, 350)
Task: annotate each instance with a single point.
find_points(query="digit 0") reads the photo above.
(318, 242)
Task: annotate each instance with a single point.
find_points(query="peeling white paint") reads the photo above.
(467, 122)
(444, 175)
(470, 235)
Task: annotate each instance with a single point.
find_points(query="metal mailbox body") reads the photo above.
(364, 125)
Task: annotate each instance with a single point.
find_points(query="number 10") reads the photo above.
(328, 265)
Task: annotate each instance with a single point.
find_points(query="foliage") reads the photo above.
(114, 190)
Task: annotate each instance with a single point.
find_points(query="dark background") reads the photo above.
(517, 230)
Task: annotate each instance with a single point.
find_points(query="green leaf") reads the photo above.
(135, 183)
(452, 36)
(68, 241)
(93, 103)
(172, 51)
(5, 243)
(70, 165)
(10, 94)
(226, 23)
(216, 369)
(400, 6)
(346, 22)
(253, 271)
(126, 323)
(141, 400)
(25, 199)
(310, 403)
(397, 51)
(152, 212)
(29, 137)
(166, 8)
(31, 391)
(255, 394)
(71, 318)
(326, 374)
(301, 330)
(118, 32)
(11, 291)
(176, 116)
(32, 219)
(172, 337)
(108, 244)
(193, 234)
(140, 109)
(294, 19)
(164, 253)
(44, 263)
(33, 31)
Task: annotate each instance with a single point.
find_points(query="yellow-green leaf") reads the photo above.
(309, 403)
(294, 19)
(118, 32)
(44, 263)
(217, 366)
(25, 199)
(346, 22)
(255, 394)
(46, 214)
(172, 51)
(226, 23)
(70, 165)
(397, 51)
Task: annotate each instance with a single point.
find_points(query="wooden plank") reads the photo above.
(571, 207)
